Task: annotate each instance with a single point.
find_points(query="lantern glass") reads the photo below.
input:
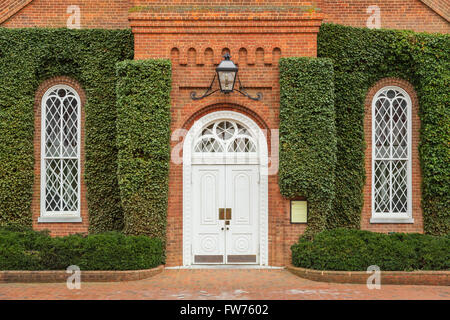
(226, 80)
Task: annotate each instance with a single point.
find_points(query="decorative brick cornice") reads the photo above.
(233, 19)
(241, 25)
(11, 7)
(228, 11)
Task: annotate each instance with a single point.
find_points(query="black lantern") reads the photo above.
(226, 73)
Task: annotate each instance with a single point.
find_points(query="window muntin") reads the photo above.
(225, 136)
(60, 169)
(391, 153)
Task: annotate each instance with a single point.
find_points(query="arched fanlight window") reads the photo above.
(60, 153)
(225, 136)
(391, 153)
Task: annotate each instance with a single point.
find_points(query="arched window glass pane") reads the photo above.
(225, 136)
(242, 144)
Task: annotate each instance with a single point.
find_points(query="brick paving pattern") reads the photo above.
(200, 284)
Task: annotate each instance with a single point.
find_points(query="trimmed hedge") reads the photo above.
(355, 250)
(32, 250)
(143, 140)
(307, 135)
(361, 57)
(30, 56)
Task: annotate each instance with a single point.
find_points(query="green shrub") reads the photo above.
(31, 250)
(353, 250)
(143, 140)
(18, 249)
(27, 58)
(307, 135)
(361, 57)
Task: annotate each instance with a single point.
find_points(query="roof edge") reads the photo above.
(440, 8)
(12, 9)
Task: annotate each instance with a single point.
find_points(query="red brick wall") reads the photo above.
(57, 229)
(395, 14)
(195, 50)
(441, 7)
(105, 14)
(417, 226)
(194, 36)
(417, 15)
(229, 3)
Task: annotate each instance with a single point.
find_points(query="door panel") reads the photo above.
(242, 237)
(242, 195)
(236, 189)
(208, 194)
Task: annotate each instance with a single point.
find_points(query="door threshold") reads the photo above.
(224, 266)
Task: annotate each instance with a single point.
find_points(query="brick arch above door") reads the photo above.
(256, 110)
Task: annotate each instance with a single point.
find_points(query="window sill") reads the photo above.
(59, 219)
(391, 220)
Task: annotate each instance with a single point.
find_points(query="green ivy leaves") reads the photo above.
(143, 140)
(30, 56)
(308, 135)
(361, 57)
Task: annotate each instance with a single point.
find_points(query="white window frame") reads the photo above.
(392, 217)
(59, 216)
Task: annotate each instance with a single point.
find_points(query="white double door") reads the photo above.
(225, 214)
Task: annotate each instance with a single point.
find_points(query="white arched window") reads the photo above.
(60, 155)
(391, 156)
(225, 136)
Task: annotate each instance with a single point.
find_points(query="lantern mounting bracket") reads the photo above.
(224, 71)
(242, 91)
(207, 93)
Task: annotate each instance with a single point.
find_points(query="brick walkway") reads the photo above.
(220, 284)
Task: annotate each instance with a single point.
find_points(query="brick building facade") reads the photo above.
(195, 35)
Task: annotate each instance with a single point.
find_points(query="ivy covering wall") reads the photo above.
(321, 130)
(143, 140)
(361, 57)
(30, 56)
(308, 136)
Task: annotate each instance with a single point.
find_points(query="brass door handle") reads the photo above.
(224, 213)
(228, 213)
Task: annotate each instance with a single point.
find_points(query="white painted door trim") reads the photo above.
(187, 181)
